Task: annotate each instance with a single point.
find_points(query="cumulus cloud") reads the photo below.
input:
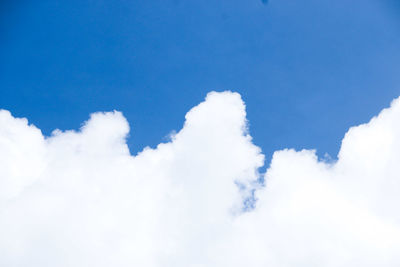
(79, 198)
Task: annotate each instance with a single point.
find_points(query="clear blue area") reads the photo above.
(307, 69)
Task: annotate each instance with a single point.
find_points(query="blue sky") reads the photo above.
(307, 70)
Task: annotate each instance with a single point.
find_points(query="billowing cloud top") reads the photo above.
(79, 198)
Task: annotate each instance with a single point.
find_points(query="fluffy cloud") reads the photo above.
(79, 198)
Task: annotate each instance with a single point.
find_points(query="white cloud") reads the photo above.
(80, 198)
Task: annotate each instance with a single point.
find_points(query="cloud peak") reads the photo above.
(79, 198)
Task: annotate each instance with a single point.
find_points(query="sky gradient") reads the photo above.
(299, 65)
(187, 78)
